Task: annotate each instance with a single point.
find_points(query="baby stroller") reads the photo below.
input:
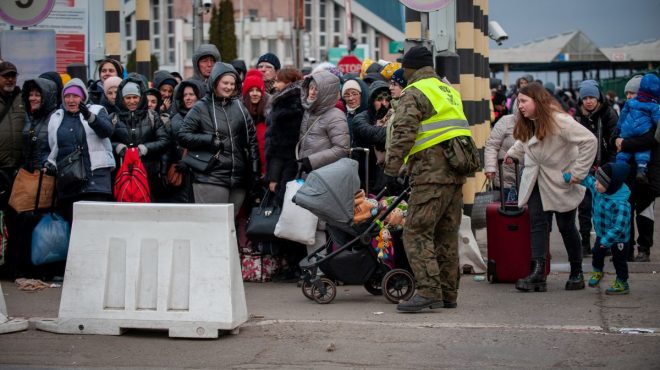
(348, 257)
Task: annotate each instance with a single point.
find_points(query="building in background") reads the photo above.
(267, 26)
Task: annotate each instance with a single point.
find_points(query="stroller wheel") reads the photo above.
(373, 286)
(307, 289)
(324, 291)
(398, 285)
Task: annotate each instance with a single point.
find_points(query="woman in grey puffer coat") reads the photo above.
(218, 132)
(324, 135)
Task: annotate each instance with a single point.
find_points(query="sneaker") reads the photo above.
(642, 257)
(596, 276)
(618, 287)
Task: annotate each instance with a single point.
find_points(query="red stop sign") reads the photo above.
(349, 64)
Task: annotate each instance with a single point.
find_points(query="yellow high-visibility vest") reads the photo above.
(449, 120)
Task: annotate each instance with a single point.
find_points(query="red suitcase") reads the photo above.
(509, 239)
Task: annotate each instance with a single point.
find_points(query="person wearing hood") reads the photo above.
(79, 125)
(323, 137)
(110, 94)
(154, 101)
(220, 136)
(57, 79)
(499, 141)
(370, 131)
(186, 94)
(600, 119)
(640, 112)
(612, 223)
(165, 83)
(355, 96)
(40, 102)
(204, 58)
(373, 73)
(240, 67)
(138, 127)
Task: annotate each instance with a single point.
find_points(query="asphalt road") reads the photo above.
(495, 326)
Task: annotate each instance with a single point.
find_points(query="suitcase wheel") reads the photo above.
(491, 274)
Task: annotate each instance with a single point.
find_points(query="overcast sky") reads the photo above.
(606, 22)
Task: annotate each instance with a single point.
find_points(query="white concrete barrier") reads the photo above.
(8, 325)
(151, 266)
(468, 249)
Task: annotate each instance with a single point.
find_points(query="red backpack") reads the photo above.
(131, 183)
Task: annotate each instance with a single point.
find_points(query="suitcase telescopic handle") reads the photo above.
(514, 210)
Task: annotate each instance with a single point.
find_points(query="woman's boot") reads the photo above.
(536, 279)
(576, 279)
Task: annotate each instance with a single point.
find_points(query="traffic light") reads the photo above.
(352, 42)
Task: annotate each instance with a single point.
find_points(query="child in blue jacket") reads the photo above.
(611, 216)
(639, 116)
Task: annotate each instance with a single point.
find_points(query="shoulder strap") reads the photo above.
(304, 136)
(152, 118)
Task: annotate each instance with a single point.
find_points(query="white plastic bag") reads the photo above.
(296, 223)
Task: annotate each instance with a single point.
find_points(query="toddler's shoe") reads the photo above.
(618, 287)
(596, 276)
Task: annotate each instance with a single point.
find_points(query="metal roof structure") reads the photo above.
(645, 51)
(571, 50)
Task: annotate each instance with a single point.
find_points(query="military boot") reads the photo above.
(536, 279)
(576, 278)
(419, 302)
(449, 299)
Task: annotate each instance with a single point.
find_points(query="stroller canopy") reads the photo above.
(329, 192)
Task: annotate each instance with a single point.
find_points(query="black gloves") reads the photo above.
(305, 165)
(87, 115)
(394, 184)
(51, 170)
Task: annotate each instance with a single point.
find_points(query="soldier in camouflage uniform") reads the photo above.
(435, 206)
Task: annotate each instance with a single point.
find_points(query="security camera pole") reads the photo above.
(198, 11)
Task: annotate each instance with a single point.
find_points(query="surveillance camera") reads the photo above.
(496, 32)
(207, 4)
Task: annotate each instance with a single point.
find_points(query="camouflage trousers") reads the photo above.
(430, 238)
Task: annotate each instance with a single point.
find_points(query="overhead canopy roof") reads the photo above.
(645, 51)
(572, 51)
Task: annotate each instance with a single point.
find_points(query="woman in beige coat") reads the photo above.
(552, 143)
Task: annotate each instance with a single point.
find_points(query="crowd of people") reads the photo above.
(227, 134)
(605, 147)
(230, 134)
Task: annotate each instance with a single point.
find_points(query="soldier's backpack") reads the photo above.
(131, 183)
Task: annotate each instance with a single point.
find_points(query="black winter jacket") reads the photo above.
(229, 120)
(607, 118)
(35, 131)
(282, 133)
(140, 127)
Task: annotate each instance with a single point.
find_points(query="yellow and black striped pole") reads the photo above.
(112, 30)
(472, 48)
(142, 44)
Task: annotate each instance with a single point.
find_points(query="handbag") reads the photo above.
(201, 161)
(31, 191)
(481, 202)
(263, 219)
(50, 239)
(173, 175)
(71, 171)
(296, 223)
